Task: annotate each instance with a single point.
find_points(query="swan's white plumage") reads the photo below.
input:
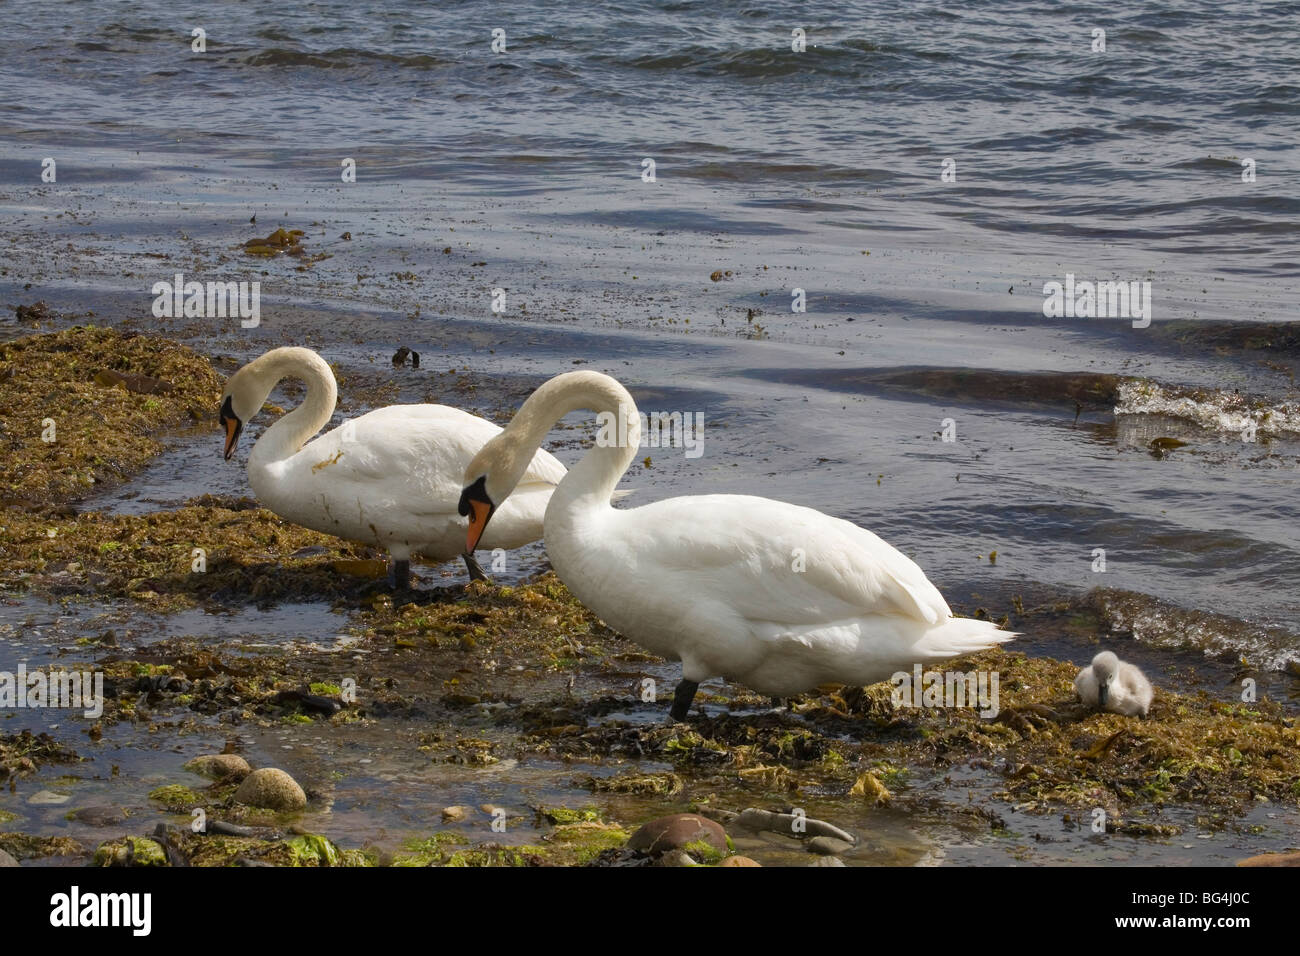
(714, 580)
(389, 478)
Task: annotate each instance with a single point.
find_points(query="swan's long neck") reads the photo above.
(592, 480)
(287, 436)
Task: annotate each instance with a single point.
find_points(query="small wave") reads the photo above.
(341, 58)
(1158, 624)
(1228, 413)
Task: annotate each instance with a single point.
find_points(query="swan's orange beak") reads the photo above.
(478, 507)
(232, 435)
(480, 511)
(230, 421)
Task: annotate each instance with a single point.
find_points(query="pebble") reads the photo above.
(675, 831)
(454, 814)
(271, 789)
(739, 861)
(220, 766)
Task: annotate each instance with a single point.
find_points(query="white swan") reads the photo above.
(778, 597)
(1109, 683)
(389, 478)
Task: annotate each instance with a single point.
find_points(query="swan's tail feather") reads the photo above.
(959, 636)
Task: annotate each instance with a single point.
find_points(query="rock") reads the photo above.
(454, 814)
(827, 861)
(829, 846)
(1271, 859)
(674, 832)
(792, 825)
(48, 798)
(6, 860)
(739, 861)
(100, 816)
(220, 766)
(271, 789)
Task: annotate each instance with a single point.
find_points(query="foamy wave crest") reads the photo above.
(1229, 413)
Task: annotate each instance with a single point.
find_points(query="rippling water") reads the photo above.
(820, 170)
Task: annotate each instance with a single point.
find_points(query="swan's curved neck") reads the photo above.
(287, 435)
(617, 438)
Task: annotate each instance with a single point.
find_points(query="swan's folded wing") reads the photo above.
(416, 450)
(781, 563)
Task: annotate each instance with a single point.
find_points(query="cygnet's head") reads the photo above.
(1105, 665)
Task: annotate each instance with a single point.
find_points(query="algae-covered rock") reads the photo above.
(176, 797)
(220, 766)
(271, 789)
(676, 831)
(131, 851)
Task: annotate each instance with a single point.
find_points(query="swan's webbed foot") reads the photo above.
(474, 568)
(682, 698)
(399, 575)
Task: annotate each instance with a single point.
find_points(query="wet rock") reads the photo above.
(827, 861)
(100, 816)
(790, 824)
(739, 861)
(220, 766)
(1271, 859)
(454, 814)
(271, 789)
(48, 798)
(828, 846)
(675, 832)
(7, 860)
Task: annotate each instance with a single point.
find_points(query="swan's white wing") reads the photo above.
(780, 563)
(420, 450)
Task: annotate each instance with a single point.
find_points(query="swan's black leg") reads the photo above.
(399, 575)
(472, 566)
(682, 698)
